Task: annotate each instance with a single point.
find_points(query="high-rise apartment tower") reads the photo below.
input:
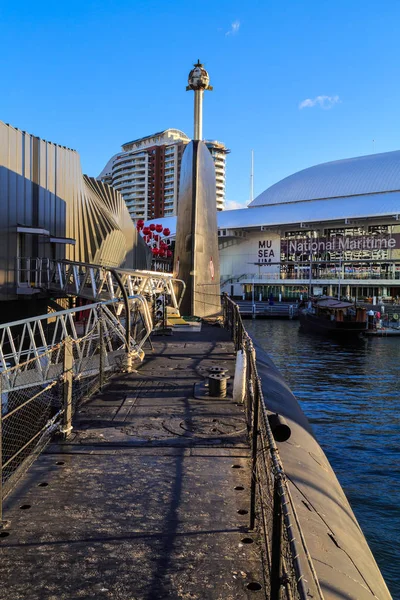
(147, 172)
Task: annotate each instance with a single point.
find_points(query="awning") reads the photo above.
(332, 303)
(33, 230)
(62, 240)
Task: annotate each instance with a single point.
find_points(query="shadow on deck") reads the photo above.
(142, 501)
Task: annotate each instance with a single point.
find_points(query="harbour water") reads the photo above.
(350, 393)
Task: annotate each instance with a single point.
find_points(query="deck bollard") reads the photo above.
(217, 385)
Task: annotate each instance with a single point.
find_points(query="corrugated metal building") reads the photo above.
(48, 209)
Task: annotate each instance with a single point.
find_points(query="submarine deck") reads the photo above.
(142, 501)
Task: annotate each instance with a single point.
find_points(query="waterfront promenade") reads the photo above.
(142, 501)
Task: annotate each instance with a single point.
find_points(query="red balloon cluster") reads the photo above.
(159, 247)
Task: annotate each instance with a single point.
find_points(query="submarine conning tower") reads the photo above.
(196, 247)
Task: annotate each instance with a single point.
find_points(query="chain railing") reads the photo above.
(271, 505)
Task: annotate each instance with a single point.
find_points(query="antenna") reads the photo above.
(252, 177)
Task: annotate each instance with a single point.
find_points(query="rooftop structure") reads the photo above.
(156, 139)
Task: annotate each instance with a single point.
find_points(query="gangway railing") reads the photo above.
(96, 282)
(27, 339)
(49, 363)
(290, 573)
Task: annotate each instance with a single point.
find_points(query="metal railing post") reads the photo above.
(236, 328)
(67, 387)
(255, 401)
(276, 558)
(128, 354)
(101, 350)
(1, 453)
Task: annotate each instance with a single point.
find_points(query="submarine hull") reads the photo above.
(344, 564)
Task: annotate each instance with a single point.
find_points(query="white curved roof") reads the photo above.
(361, 207)
(370, 174)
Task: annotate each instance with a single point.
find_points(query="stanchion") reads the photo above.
(255, 404)
(276, 558)
(1, 458)
(67, 387)
(101, 350)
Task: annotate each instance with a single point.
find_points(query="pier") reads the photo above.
(150, 494)
(265, 310)
(148, 497)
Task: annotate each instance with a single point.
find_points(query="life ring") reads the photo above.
(395, 316)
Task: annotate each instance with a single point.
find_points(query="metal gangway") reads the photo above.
(121, 300)
(95, 282)
(50, 362)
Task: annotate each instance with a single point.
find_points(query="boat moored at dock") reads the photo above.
(333, 317)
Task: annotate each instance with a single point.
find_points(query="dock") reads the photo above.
(149, 496)
(264, 310)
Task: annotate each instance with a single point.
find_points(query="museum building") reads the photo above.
(330, 229)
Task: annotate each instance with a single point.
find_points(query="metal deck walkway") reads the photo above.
(142, 502)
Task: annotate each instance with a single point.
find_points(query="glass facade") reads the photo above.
(352, 253)
(354, 261)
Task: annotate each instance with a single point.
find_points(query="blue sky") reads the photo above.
(92, 75)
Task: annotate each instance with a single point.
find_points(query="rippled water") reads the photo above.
(350, 393)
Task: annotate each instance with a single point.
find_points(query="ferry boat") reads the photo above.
(333, 317)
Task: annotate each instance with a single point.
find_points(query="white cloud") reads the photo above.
(321, 101)
(233, 205)
(234, 28)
